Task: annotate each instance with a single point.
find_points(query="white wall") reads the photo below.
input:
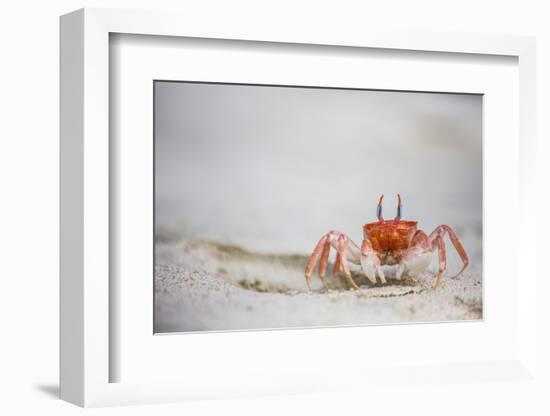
(29, 216)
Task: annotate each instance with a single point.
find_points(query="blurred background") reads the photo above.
(270, 169)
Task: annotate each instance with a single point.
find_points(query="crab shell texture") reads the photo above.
(390, 236)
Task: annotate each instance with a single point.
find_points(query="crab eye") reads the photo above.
(399, 208)
(379, 209)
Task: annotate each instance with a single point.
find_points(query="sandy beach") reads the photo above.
(207, 286)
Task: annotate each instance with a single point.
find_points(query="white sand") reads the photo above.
(202, 286)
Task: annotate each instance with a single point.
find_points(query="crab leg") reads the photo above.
(440, 232)
(420, 239)
(314, 257)
(342, 242)
(336, 269)
(324, 262)
(347, 251)
(442, 259)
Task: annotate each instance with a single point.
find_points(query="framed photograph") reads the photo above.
(263, 212)
(248, 179)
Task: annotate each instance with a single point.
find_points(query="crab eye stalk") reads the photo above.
(399, 208)
(379, 209)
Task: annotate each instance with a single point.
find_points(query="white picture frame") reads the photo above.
(86, 332)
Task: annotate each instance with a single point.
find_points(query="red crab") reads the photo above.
(393, 242)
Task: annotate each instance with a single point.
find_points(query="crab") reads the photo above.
(385, 242)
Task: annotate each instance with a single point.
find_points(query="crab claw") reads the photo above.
(370, 265)
(381, 274)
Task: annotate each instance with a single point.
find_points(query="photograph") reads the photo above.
(290, 206)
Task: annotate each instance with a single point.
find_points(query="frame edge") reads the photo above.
(71, 202)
